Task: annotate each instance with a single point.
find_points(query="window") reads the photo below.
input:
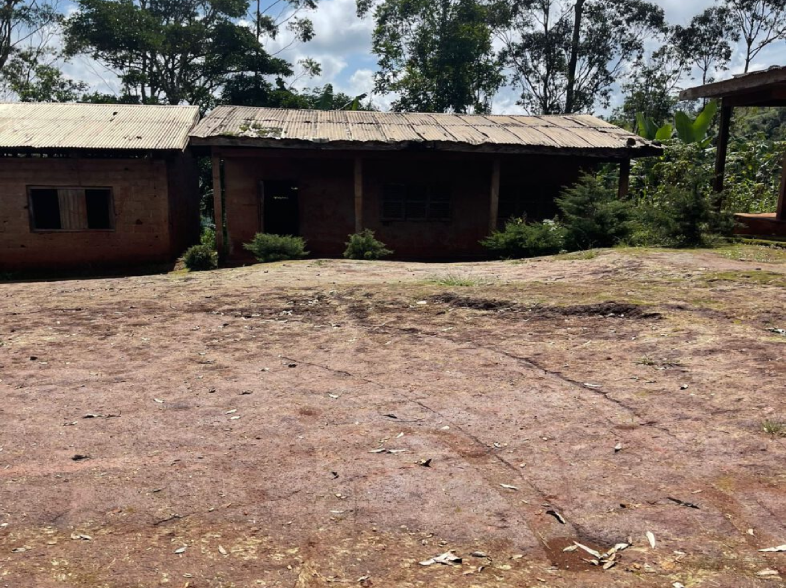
(416, 202)
(534, 202)
(71, 209)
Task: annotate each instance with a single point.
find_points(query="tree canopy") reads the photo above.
(566, 56)
(435, 55)
(173, 51)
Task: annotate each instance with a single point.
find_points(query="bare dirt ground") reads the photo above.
(328, 423)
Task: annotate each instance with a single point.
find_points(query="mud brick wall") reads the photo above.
(326, 196)
(144, 231)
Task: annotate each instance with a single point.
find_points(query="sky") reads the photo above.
(342, 45)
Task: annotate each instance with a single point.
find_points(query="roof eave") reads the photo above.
(742, 84)
(615, 153)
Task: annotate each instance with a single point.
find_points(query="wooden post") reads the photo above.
(358, 195)
(218, 205)
(781, 213)
(624, 179)
(723, 146)
(496, 173)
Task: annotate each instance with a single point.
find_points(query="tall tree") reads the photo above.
(21, 21)
(566, 55)
(759, 23)
(437, 55)
(651, 88)
(705, 44)
(33, 75)
(176, 51)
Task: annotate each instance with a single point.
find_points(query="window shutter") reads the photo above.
(73, 210)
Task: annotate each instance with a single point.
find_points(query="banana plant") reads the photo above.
(649, 129)
(689, 130)
(695, 131)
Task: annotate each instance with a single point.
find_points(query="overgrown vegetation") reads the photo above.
(672, 205)
(201, 258)
(365, 246)
(268, 248)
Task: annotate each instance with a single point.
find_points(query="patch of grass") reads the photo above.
(756, 253)
(774, 428)
(758, 278)
(457, 281)
(578, 255)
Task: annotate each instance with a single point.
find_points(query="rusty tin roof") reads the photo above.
(96, 126)
(312, 129)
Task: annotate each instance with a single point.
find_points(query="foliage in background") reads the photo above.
(688, 129)
(520, 239)
(436, 55)
(758, 23)
(268, 248)
(567, 55)
(650, 88)
(753, 174)
(33, 75)
(706, 42)
(365, 246)
(676, 204)
(201, 258)
(175, 51)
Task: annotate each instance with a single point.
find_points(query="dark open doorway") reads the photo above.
(280, 215)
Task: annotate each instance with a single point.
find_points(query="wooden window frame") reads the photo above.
(31, 210)
(429, 188)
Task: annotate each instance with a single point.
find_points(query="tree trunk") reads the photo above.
(574, 58)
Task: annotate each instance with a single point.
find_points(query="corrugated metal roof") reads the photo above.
(96, 126)
(269, 127)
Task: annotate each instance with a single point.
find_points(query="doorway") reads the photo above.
(280, 212)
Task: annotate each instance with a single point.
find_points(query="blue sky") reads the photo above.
(343, 47)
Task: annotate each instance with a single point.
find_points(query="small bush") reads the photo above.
(365, 246)
(594, 216)
(684, 216)
(520, 240)
(269, 248)
(200, 258)
(208, 237)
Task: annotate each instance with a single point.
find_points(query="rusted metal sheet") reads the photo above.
(96, 126)
(433, 133)
(332, 131)
(578, 133)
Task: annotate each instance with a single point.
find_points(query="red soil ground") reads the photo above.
(238, 414)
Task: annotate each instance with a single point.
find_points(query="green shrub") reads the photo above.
(365, 246)
(200, 258)
(269, 248)
(593, 215)
(208, 237)
(683, 216)
(520, 240)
